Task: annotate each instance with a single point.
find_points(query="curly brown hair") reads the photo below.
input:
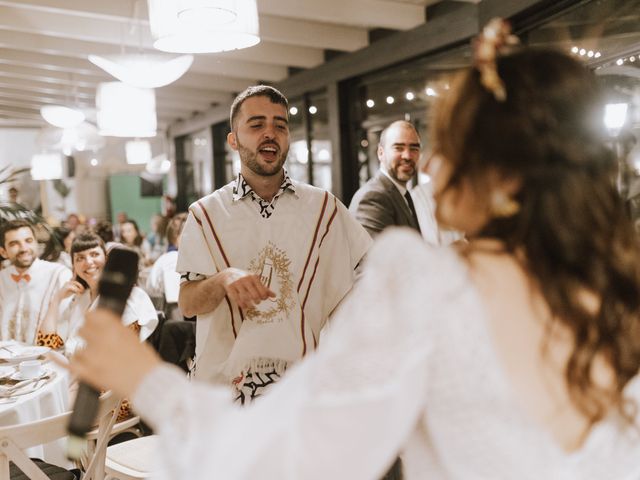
(571, 231)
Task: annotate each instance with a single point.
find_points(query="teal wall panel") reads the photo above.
(125, 196)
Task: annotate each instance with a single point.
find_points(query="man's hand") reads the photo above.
(244, 288)
(203, 296)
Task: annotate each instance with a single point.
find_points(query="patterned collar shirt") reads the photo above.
(243, 190)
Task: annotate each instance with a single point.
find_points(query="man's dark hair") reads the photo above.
(55, 244)
(104, 229)
(174, 229)
(14, 225)
(256, 91)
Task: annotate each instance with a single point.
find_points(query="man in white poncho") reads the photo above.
(265, 259)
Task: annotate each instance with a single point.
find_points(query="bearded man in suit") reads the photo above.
(384, 200)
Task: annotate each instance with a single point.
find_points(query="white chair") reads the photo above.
(130, 425)
(97, 447)
(131, 460)
(14, 439)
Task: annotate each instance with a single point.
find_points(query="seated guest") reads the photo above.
(71, 301)
(59, 246)
(104, 230)
(164, 271)
(157, 241)
(27, 285)
(121, 217)
(513, 356)
(131, 238)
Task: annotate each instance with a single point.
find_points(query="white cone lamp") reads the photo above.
(144, 70)
(61, 116)
(186, 26)
(126, 111)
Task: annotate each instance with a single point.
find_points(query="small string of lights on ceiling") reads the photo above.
(409, 96)
(625, 58)
(294, 110)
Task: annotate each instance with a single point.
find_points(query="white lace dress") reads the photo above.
(408, 367)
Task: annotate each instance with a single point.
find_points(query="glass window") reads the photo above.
(195, 172)
(298, 159)
(402, 92)
(309, 127)
(232, 162)
(605, 34)
(321, 148)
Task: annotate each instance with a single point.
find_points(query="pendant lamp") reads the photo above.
(159, 165)
(208, 12)
(181, 26)
(144, 70)
(138, 152)
(61, 116)
(126, 111)
(46, 166)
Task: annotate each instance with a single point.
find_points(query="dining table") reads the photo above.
(44, 395)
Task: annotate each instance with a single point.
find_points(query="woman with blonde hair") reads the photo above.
(514, 356)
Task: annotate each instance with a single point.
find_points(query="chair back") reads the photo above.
(154, 338)
(107, 416)
(15, 438)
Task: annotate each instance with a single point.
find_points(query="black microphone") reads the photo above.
(116, 282)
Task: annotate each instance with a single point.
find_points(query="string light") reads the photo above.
(370, 103)
(410, 96)
(430, 92)
(584, 52)
(313, 109)
(390, 100)
(293, 110)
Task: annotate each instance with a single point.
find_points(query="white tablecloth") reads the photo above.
(49, 400)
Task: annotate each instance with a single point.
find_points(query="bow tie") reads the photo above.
(21, 276)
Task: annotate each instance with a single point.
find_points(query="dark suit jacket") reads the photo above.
(378, 204)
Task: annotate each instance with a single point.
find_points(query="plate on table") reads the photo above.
(20, 353)
(20, 378)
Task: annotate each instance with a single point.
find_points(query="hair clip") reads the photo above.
(495, 36)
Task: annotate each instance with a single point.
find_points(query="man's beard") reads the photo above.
(401, 176)
(250, 159)
(24, 263)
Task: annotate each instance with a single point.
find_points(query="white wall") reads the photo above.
(17, 146)
(88, 189)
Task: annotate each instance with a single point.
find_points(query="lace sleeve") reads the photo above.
(344, 412)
